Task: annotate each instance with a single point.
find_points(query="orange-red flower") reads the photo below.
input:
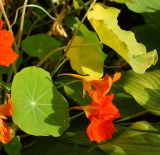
(101, 116)
(7, 55)
(5, 111)
(96, 88)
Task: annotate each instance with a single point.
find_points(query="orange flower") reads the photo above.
(97, 89)
(7, 55)
(101, 116)
(5, 110)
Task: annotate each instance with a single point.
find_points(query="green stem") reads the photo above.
(31, 6)
(75, 116)
(21, 24)
(49, 54)
(58, 67)
(132, 116)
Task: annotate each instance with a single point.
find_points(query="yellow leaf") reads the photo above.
(86, 57)
(104, 21)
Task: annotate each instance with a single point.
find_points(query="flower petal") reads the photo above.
(101, 130)
(5, 132)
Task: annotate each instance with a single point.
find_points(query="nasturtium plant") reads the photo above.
(79, 77)
(38, 107)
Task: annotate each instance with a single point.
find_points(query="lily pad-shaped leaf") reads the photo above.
(38, 108)
(39, 45)
(145, 88)
(86, 56)
(104, 21)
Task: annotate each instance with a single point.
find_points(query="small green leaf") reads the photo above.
(14, 146)
(133, 141)
(39, 45)
(145, 88)
(104, 21)
(144, 5)
(38, 108)
(86, 56)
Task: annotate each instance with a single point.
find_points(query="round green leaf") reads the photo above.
(38, 108)
(39, 45)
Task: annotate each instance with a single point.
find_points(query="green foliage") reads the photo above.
(144, 88)
(48, 147)
(144, 5)
(140, 138)
(39, 45)
(104, 21)
(38, 108)
(14, 146)
(149, 33)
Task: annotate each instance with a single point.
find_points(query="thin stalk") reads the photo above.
(49, 54)
(132, 116)
(5, 17)
(21, 24)
(75, 116)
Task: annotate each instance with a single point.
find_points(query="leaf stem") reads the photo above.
(75, 116)
(21, 24)
(49, 54)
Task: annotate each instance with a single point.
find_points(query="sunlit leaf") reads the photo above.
(145, 88)
(133, 141)
(38, 108)
(144, 5)
(104, 21)
(86, 56)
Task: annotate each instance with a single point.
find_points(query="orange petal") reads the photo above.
(7, 55)
(101, 88)
(101, 130)
(5, 132)
(6, 109)
(116, 76)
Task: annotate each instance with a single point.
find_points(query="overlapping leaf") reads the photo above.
(145, 88)
(38, 108)
(133, 141)
(104, 21)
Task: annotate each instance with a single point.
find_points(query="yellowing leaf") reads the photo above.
(86, 56)
(104, 21)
